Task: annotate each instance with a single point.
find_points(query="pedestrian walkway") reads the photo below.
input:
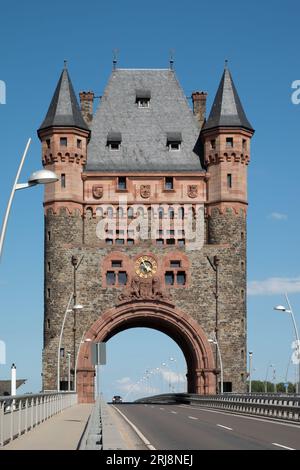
(61, 432)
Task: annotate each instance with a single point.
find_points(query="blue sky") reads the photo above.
(261, 42)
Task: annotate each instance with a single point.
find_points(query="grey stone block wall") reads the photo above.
(198, 299)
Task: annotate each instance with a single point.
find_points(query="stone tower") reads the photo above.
(147, 225)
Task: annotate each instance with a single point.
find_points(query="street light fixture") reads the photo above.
(281, 308)
(214, 341)
(38, 177)
(250, 371)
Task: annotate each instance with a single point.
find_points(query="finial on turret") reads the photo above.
(226, 64)
(65, 64)
(171, 61)
(115, 58)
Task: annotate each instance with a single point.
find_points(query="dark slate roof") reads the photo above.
(227, 109)
(64, 110)
(144, 131)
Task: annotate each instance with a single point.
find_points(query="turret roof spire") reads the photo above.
(227, 109)
(64, 110)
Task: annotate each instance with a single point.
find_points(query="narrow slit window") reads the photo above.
(181, 278)
(121, 182)
(169, 182)
(122, 278)
(79, 143)
(213, 144)
(169, 278)
(229, 180)
(63, 141)
(63, 180)
(111, 278)
(48, 142)
(229, 142)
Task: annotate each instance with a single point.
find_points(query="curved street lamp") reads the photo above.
(281, 308)
(38, 177)
(214, 341)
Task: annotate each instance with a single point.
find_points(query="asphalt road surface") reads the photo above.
(183, 427)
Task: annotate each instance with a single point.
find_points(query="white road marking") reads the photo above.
(193, 417)
(280, 445)
(139, 433)
(162, 409)
(174, 412)
(225, 427)
(241, 416)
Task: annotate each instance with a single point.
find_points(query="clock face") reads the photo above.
(145, 266)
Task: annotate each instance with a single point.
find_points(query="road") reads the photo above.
(183, 427)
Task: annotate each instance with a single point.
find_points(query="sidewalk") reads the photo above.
(61, 432)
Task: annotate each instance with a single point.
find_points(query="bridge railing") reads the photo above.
(22, 413)
(280, 406)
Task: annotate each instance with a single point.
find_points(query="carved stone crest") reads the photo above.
(143, 289)
(145, 191)
(192, 190)
(97, 191)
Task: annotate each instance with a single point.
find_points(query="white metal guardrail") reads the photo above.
(280, 406)
(21, 413)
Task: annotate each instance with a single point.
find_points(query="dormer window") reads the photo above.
(143, 98)
(174, 140)
(114, 140)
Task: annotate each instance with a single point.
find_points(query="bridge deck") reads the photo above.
(61, 432)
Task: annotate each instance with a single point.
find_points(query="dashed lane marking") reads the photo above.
(280, 445)
(193, 417)
(225, 427)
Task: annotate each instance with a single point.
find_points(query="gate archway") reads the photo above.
(162, 316)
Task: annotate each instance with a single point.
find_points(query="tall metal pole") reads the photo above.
(60, 340)
(221, 367)
(4, 226)
(250, 371)
(74, 264)
(69, 371)
(298, 342)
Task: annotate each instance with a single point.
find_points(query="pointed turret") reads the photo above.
(64, 110)
(64, 135)
(227, 109)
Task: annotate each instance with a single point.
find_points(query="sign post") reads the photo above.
(98, 359)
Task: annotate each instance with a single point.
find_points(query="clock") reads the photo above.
(145, 266)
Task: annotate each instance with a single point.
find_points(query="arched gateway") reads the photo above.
(162, 316)
(146, 225)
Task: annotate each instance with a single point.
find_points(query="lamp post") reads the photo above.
(266, 379)
(75, 264)
(250, 371)
(214, 341)
(69, 371)
(281, 308)
(82, 341)
(38, 177)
